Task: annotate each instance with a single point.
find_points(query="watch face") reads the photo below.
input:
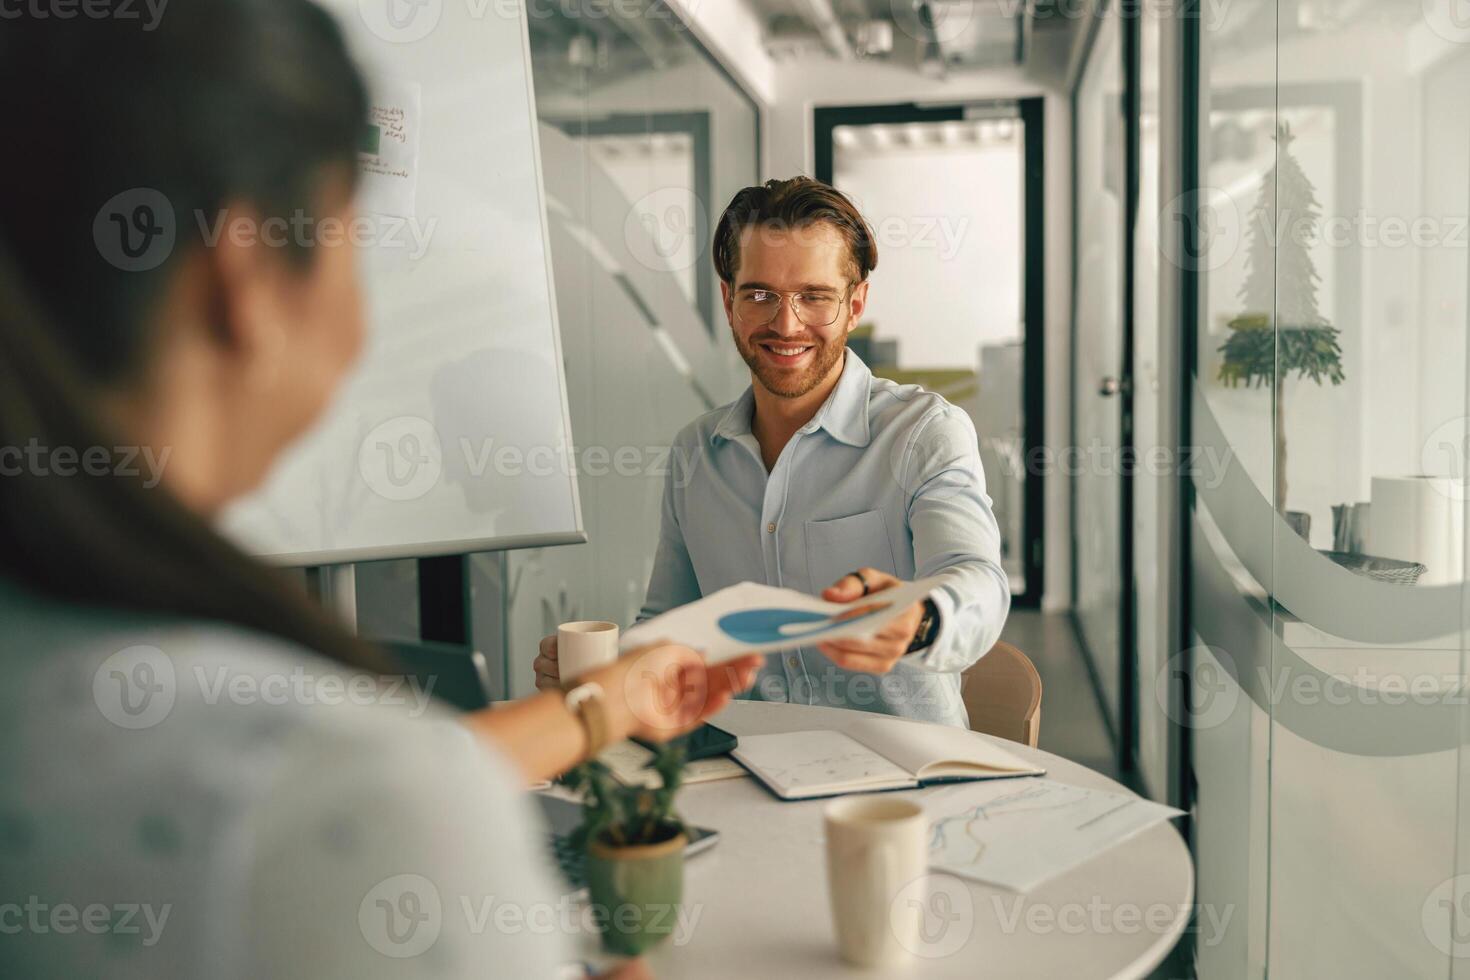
(928, 627)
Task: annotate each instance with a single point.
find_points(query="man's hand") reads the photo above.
(658, 692)
(548, 671)
(879, 654)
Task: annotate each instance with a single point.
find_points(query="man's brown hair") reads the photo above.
(793, 204)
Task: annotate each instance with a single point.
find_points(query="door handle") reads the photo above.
(1109, 386)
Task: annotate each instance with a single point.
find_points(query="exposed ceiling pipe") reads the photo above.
(932, 62)
(822, 17)
(1026, 36)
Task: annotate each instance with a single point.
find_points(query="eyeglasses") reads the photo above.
(814, 308)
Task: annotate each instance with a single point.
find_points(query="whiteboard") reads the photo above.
(453, 435)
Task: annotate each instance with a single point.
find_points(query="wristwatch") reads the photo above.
(586, 702)
(928, 629)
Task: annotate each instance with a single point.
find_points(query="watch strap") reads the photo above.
(587, 702)
(928, 629)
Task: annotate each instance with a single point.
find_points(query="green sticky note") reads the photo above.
(370, 138)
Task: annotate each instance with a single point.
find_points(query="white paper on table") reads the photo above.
(1019, 833)
(755, 618)
(629, 763)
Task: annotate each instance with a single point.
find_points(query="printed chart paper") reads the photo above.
(754, 618)
(1020, 833)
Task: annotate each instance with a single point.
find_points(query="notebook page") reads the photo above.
(817, 763)
(914, 745)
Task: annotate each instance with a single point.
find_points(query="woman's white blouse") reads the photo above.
(193, 801)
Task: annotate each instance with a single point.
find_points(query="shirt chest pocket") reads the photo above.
(835, 548)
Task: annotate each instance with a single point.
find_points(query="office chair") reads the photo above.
(1002, 693)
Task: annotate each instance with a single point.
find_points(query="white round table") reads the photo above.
(761, 892)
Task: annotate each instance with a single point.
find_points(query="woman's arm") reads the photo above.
(654, 693)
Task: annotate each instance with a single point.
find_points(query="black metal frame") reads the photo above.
(1190, 91)
(444, 599)
(1031, 114)
(1033, 397)
(1127, 450)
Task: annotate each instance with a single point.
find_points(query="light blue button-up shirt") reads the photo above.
(884, 475)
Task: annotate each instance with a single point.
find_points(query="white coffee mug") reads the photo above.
(585, 646)
(876, 846)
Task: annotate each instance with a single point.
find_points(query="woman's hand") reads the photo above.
(879, 654)
(653, 693)
(658, 692)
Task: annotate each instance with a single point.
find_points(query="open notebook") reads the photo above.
(878, 754)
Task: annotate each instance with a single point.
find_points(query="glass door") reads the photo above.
(1101, 383)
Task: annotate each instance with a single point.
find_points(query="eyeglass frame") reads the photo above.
(789, 295)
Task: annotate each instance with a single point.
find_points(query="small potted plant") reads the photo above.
(634, 843)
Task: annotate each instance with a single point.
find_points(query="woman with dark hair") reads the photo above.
(200, 774)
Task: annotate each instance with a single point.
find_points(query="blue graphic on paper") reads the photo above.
(761, 626)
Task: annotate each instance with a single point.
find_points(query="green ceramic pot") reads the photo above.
(634, 891)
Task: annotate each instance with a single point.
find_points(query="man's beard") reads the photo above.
(792, 384)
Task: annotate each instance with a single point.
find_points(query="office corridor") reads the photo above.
(1072, 723)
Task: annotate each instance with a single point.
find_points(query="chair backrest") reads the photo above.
(1002, 693)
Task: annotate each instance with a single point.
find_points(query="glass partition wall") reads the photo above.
(1099, 487)
(1326, 708)
(644, 139)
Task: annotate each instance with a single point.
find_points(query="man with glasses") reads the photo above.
(824, 477)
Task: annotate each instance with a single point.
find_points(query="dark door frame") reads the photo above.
(1031, 114)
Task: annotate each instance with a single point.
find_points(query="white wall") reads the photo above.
(950, 246)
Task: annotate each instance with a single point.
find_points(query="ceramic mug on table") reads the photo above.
(876, 847)
(585, 646)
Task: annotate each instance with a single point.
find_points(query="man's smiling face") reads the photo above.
(790, 358)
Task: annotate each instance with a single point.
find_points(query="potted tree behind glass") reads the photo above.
(1286, 280)
(634, 842)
